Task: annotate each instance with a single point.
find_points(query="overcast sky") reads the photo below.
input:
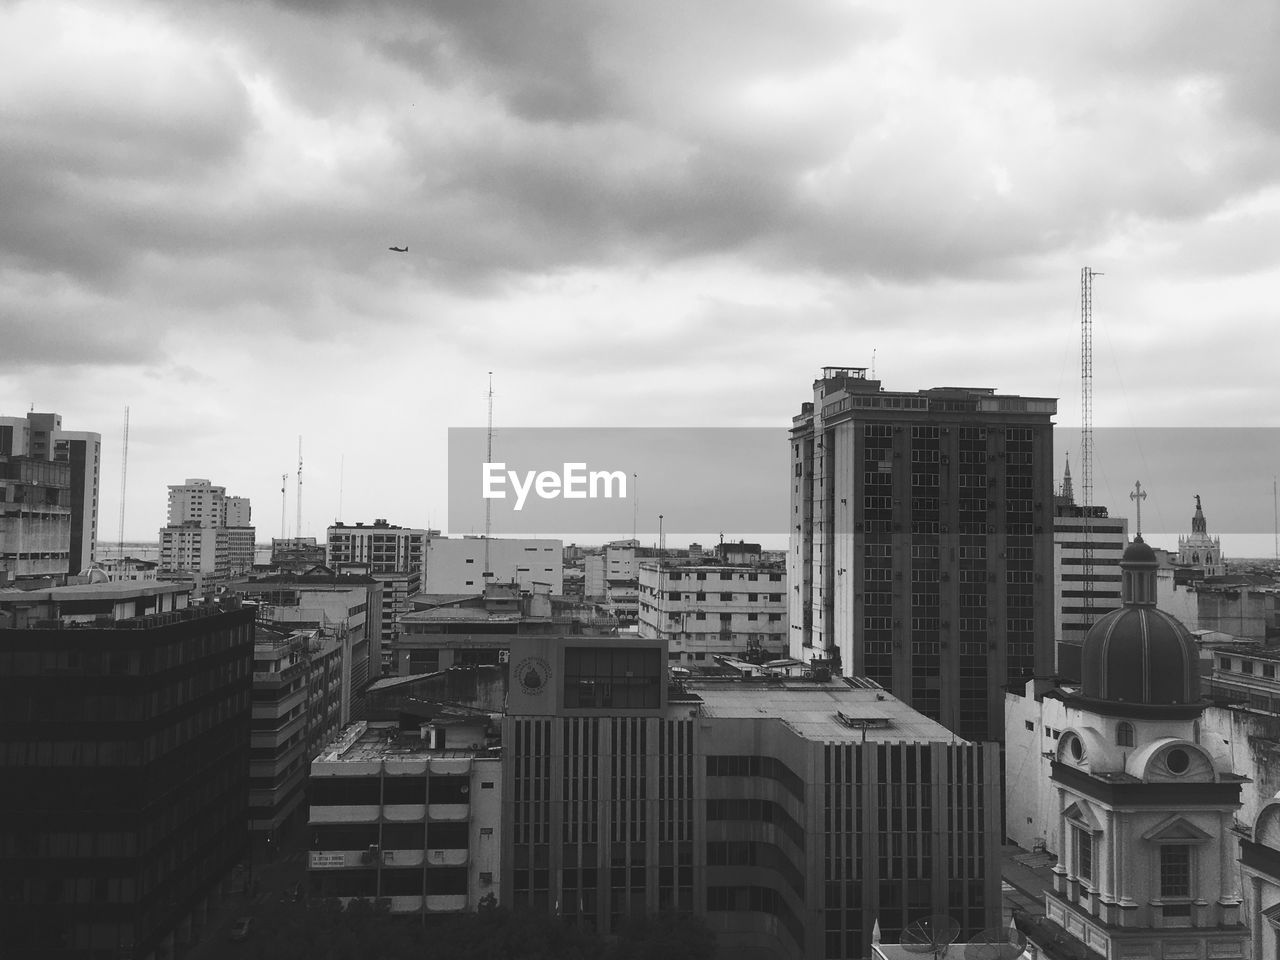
(645, 214)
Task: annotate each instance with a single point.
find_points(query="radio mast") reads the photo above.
(488, 458)
(297, 531)
(124, 475)
(1086, 434)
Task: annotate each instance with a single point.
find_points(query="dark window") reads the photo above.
(1083, 842)
(345, 791)
(611, 677)
(404, 790)
(450, 789)
(1175, 870)
(1124, 734)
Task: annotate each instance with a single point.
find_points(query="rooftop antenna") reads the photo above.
(873, 363)
(635, 507)
(1086, 433)
(297, 530)
(124, 475)
(284, 480)
(488, 507)
(662, 538)
(342, 466)
(1275, 515)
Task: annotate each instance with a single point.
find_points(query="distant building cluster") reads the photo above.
(821, 750)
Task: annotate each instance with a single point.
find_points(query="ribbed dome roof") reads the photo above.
(1139, 656)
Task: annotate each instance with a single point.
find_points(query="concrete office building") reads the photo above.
(921, 550)
(408, 814)
(40, 437)
(794, 814)
(124, 766)
(456, 564)
(1082, 538)
(706, 609)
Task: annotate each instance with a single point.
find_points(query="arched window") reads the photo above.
(1124, 734)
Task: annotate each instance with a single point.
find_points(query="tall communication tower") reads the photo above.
(1086, 434)
(284, 481)
(488, 458)
(297, 530)
(124, 476)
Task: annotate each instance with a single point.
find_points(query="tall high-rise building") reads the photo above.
(37, 541)
(921, 548)
(209, 536)
(124, 766)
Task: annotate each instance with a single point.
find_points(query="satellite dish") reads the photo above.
(996, 943)
(930, 935)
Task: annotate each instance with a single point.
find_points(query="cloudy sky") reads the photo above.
(644, 214)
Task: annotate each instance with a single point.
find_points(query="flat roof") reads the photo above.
(120, 589)
(364, 742)
(813, 709)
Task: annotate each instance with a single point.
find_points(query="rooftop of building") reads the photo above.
(379, 524)
(114, 590)
(310, 578)
(364, 741)
(848, 709)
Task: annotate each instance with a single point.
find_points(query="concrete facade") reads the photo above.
(921, 550)
(49, 516)
(793, 814)
(456, 564)
(704, 610)
(409, 816)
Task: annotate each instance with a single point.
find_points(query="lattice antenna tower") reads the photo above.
(1086, 434)
(488, 458)
(124, 476)
(297, 530)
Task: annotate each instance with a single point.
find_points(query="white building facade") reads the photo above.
(705, 610)
(457, 564)
(1140, 804)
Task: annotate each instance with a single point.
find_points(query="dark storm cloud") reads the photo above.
(508, 140)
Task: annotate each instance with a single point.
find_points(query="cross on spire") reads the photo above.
(1138, 495)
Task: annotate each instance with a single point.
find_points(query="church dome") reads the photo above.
(1139, 660)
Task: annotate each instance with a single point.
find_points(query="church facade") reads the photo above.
(1138, 806)
(1200, 549)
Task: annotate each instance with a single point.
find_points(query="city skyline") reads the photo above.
(647, 216)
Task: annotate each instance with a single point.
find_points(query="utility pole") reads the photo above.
(284, 481)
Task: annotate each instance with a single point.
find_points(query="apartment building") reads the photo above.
(702, 610)
(921, 553)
